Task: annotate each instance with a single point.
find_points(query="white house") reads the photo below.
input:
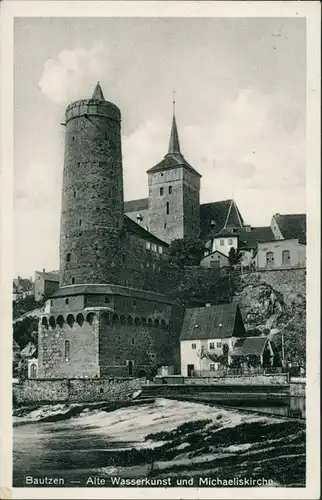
(205, 331)
(280, 254)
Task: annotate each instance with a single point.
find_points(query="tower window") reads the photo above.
(161, 191)
(73, 281)
(123, 257)
(66, 301)
(80, 222)
(78, 164)
(170, 189)
(73, 139)
(168, 208)
(74, 193)
(132, 341)
(68, 257)
(165, 225)
(67, 350)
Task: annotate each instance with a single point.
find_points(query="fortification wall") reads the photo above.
(75, 390)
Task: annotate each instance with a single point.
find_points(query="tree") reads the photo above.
(234, 256)
(266, 358)
(186, 252)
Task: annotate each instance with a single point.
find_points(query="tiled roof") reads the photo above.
(52, 276)
(292, 226)
(249, 345)
(136, 205)
(209, 322)
(219, 212)
(133, 227)
(93, 289)
(249, 239)
(225, 233)
(213, 253)
(98, 93)
(172, 160)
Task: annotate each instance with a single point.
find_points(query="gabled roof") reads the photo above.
(292, 226)
(249, 239)
(209, 322)
(249, 345)
(136, 205)
(225, 233)
(213, 253)
(222, 213)
(135, 228)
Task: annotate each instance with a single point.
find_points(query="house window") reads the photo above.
(286, 257)
(165, 225)
(222, 242)
(212, 367)
(168, 208)
(160, 249)
(148, 245)
(68, 257)
(218, 345)
(67, 350)
(161, 191)
(154, 248)
(211, 345)
(230, 242)
(132, 341)
(193, 346)
(270, 258)
(170, 189)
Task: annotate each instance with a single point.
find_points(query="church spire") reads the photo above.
(98, 93)
(174, 145)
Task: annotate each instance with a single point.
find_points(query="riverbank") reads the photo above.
(160, 439)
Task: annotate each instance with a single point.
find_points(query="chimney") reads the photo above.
(247, 228)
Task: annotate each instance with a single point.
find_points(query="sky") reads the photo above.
(240, 109)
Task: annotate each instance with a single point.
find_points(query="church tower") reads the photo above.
(174, 194)
(92, 199)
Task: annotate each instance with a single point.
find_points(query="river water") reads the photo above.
(160, 439)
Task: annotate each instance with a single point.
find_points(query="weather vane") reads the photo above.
(174, 101)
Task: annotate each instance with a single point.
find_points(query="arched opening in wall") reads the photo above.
(60, 321)
(115, 318)
(52, 321)
(286, 257)
(142, 374)
(122, 320)
(130, 320)
(90, 318)
(44, 322)
(270, 258)
(106, 318)
(137, 321)
(33, 370)
(156, 322)
(70, 320)
(80, 319)
(149, 321)
(143, 321)
(67, 350)
(163, 323)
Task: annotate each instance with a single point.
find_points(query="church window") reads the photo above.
(68, 257)
(161, 191)
(222, 242)
(170, 189)
(168, 208)
(148, 245)
(67, 350)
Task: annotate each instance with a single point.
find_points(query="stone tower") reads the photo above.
(174, 194)
(92, 200)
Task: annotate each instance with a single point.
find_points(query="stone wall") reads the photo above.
(280, 379)
(75, 390)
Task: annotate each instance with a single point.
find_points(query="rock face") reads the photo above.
(274, 302)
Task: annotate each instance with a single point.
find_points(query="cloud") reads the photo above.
(71, 73)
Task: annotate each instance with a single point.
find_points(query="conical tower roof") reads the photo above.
(98, 93)
(174, 145)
